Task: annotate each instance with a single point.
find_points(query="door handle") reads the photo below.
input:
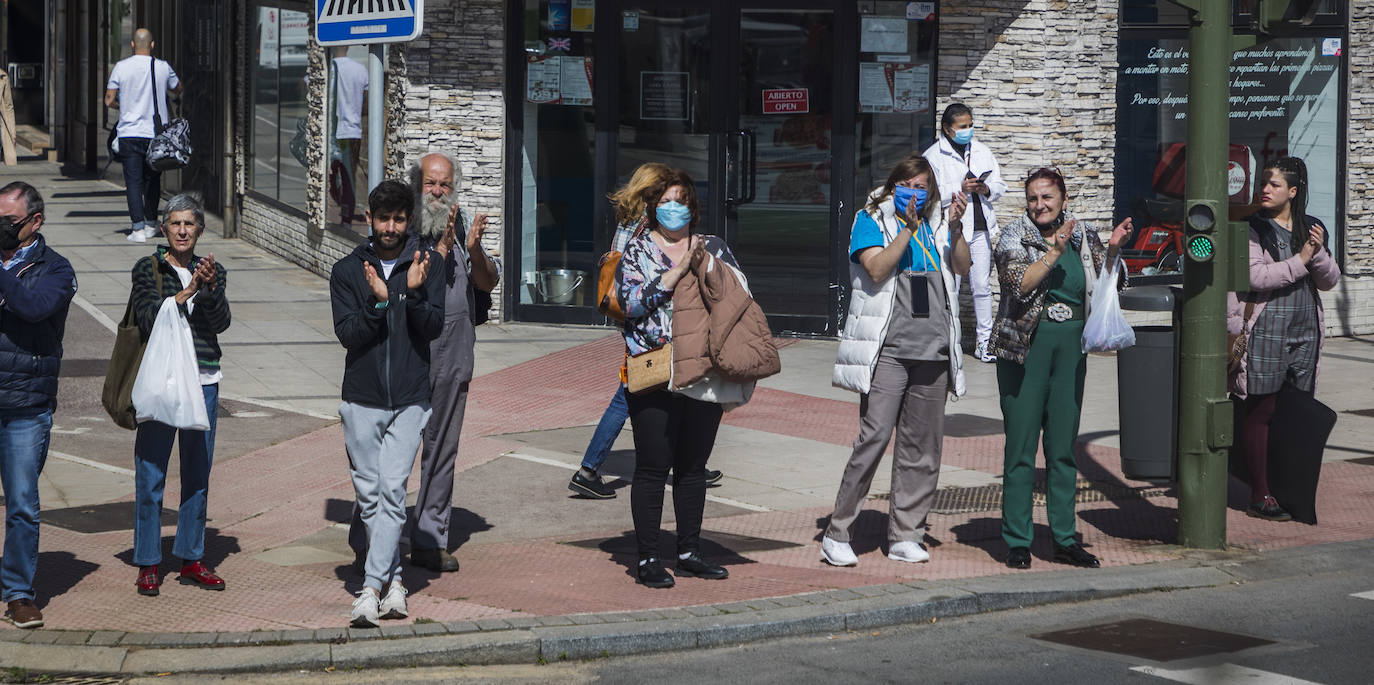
(749, 180)
(733, 174)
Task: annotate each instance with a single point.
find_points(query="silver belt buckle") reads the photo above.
(1060, 312)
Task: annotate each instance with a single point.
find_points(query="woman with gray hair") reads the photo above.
(198, 285)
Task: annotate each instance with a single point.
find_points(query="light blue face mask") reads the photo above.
(963, 136)
(673, 215)
(903, 196)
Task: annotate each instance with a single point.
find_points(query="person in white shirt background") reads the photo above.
(138, 84)
(966, 164)
(350, 89)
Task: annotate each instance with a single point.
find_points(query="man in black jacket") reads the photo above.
(388, 305)
(36, 288)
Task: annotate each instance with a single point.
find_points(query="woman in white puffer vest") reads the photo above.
(900, 350)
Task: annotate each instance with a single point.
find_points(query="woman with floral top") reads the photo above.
(1046, 265)
(671, 431)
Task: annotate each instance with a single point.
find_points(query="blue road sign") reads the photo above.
(358, 22)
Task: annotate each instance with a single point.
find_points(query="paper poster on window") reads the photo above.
(575, 81)
(560, 16)
(664, 95)
(583, 15)
(920, 11)
(883, 34)
(874, 93)
(542, 79)
(910, 87)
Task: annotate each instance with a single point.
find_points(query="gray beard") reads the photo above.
(434, 216)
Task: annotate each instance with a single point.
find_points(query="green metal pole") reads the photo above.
(1204, 421)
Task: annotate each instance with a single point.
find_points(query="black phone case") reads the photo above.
(920, 295)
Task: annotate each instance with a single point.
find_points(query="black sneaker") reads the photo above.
(712, 477)
(694, 565)
(1019, 558)
(1268, 509)
(591, 488)
(1075, 555)
(652, 574)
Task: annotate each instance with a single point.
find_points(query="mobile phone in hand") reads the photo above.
(983, 177)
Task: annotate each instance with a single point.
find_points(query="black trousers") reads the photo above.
(142, 183)
(671, 432)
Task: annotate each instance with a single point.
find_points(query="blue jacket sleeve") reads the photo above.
(40, 299)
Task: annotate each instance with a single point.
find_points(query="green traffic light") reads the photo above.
(1201, 248)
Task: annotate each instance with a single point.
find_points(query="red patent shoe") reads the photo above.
(148, 580)
(195, 573)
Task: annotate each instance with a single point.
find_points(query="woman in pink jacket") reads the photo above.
(1289, 263)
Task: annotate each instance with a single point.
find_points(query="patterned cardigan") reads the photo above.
(1018, 315)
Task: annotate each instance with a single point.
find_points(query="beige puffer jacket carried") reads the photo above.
(718, 326)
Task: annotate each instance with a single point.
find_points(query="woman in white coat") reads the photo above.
(900, 350)
(968, 165)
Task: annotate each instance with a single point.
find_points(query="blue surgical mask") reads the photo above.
(673, 215)
(904, 196)
(963, 136)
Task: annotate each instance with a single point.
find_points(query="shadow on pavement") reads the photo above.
(59, 572)
(217, 549)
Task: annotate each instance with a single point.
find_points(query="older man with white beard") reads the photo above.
(435, 179)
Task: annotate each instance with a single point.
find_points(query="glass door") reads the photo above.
(779, 162)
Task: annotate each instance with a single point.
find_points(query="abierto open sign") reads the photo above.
(786, 101)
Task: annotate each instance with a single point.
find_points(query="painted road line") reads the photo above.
(1364, 595)
(573, 467)
(93, 464)
(1221, 674)
(96, 314)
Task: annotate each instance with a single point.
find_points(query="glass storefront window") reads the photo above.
(277, 105)
(347, 135)
(557, 225)
(896, 91)
(1285, 100)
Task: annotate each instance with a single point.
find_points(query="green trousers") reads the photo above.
(1044, 393)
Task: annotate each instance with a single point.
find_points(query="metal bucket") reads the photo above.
(559, 286)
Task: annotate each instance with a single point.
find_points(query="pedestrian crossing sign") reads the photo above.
(359, 22)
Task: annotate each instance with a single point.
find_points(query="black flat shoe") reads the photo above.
(1019, 558)
(1075, 555)
(1268, 509)
(694, 565)
(712, 477)
(651, 574)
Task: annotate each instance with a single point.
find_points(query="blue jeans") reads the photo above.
(607, 430)
(142, 183)
(152, 450)
(23, 449)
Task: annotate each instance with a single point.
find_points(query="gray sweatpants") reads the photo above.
(910, 397)
(381, 447)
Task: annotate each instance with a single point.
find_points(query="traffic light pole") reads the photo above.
(1204, 414)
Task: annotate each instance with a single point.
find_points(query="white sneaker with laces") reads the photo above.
(137, 236)
(908, 551)
(838, 553)
(365, 609)
(151, 231)
(394, 604)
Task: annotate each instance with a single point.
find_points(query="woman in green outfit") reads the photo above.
(1046, 265)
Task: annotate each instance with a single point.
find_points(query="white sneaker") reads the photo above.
(838, 553)
(151, 231)
(365, 609)
(908, 551)
(394, 604)
(983, 354)
(138, 235)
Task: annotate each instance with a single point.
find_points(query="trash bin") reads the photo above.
(1147, 383)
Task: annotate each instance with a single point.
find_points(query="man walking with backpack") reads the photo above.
(138, 86)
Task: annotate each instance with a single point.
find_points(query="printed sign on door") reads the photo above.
(786, 101)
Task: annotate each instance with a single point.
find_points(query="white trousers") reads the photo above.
(980, 248)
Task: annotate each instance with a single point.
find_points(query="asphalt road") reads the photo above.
(1316, 626)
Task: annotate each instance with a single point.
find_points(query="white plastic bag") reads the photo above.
(1106, 329)
(167, 389)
